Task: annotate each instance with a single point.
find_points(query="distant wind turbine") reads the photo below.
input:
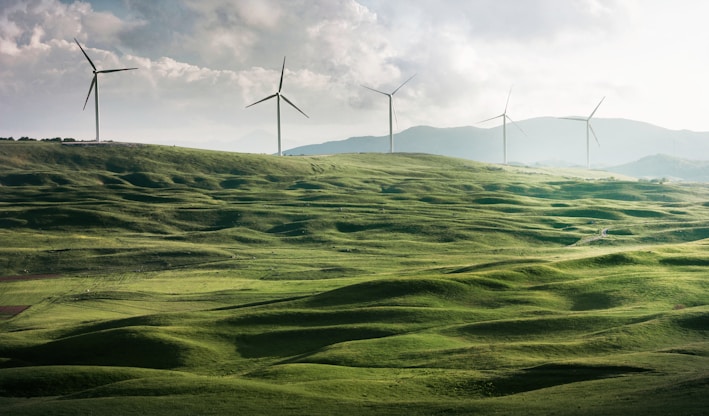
(94, 84)
(391, 110)
(589, 128)
(505, 117)
(278, 96)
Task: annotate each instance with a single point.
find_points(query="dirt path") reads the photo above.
(588, 240)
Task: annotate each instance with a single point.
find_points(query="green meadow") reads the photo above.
(163, 280)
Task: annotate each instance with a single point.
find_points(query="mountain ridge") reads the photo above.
(620, 141)
(665, 167)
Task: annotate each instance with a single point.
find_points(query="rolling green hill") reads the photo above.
(162, 280)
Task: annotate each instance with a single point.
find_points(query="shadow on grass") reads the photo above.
(550, 375)
(300, 341)
(544, 376)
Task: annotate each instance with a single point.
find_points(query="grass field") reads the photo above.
(161, 280)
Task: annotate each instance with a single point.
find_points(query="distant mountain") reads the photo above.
(546, 140)
(465, 142)
(665, 167)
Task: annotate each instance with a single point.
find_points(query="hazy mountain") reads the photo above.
(547, 140)
(665, 167)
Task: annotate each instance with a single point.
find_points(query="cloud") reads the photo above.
(201, 62)
(511, 20)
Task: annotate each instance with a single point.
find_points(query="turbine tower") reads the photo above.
(589, 128)
(94, 84)
(505, 117)
(278, 96)
(391, 110)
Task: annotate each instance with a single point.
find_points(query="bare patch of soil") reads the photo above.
(13, 310)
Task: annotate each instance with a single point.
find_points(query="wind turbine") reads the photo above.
(391, 110)
(278, 96)
(94, 83)
(505, 117)
(589, 128)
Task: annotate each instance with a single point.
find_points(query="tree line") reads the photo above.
(30, 139)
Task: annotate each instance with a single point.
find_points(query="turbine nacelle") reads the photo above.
(94, 83)
(278, 97)
(589, 131)
(391, 109)
(505, 117)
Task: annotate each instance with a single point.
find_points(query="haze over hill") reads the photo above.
(545, 140)
(665, 167)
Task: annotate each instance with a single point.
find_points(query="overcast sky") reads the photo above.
(202, 61)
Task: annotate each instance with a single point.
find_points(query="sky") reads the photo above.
(201, 62)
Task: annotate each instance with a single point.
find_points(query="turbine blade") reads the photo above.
(380, 92)
(594, 110)
(87, 56)
(516, 125)
(260, 101)
(106, 71)
(294, 106)
(594, 134)
(508, 100)
(283, 68)
(393, 110)
(572, 118)
(491, 118)
(93, 82)
(412, 77)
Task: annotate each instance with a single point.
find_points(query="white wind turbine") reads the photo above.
(589, 128)
(505, 117)
(278, 96)
(391, 110)
(94, 84)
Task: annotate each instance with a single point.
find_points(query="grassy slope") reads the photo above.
(195, 282)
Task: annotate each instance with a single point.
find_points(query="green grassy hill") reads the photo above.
(158, 280)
